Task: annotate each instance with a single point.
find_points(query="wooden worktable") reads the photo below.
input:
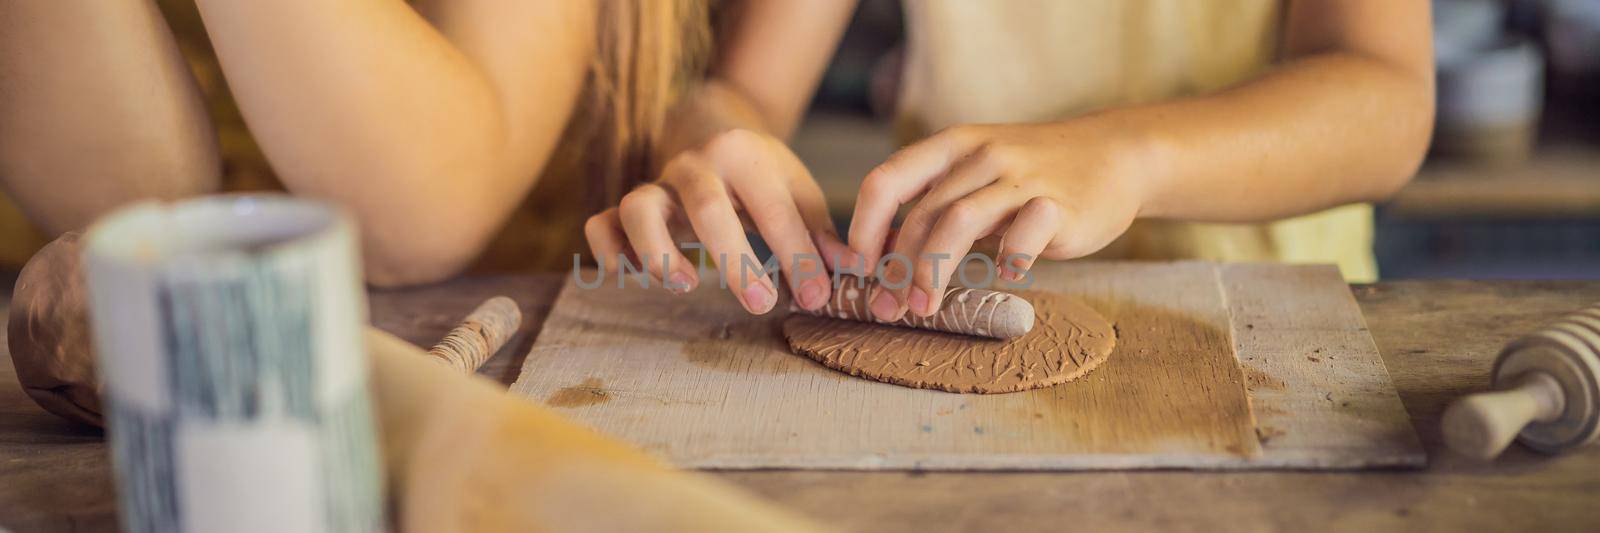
(1437, 337)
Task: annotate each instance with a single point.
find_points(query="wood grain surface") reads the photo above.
(1438, 339)
(705, 385)
(1322, 396)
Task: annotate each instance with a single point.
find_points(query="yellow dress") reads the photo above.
(1029, 61)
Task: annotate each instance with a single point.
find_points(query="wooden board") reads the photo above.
(703, 384)
(1320, 392)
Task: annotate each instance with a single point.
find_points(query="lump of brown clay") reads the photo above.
(49, 333)
(1068, 341)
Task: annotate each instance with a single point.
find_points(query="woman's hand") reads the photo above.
(709, 194)
(1056, 191)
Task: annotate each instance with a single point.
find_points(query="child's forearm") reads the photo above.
(1315, 133)
(1346, 118)
(97, 108)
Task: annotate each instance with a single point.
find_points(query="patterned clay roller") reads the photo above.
(478, 337)
(979, 312)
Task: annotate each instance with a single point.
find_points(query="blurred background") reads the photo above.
(1511, 187)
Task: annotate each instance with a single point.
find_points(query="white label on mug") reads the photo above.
(248, 478)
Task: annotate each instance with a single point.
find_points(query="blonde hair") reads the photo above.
(649, 53)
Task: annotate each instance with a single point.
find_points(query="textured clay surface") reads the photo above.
(1068, 340)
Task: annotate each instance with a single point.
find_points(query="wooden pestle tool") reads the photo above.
(479, 336)
(980, 312)
(1547, 393)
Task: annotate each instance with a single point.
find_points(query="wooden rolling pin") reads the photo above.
(478, 337)
(1547, 393)
(462, 454)
(979, 312)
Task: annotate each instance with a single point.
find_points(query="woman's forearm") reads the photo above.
(768, 65)
(97, 108)
(774, 53)
(1319, 132)
(430, 131)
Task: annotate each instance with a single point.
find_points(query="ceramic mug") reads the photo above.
(228, 330)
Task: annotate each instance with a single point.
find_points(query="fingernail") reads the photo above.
(853, 260)
(860, 260)
(811, 294)
(681, 283)
(883, 306)
(757, 298)
(919, 301)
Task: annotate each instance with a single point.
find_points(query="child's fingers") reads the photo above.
(1036, 224)
(970, 174)
(963, 223)
(901, 178)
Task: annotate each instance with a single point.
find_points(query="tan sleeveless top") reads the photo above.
(1036, 60)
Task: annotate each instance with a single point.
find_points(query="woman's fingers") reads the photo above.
(773, 208)
(965, 221)
(711, 213)
(1034, 227)
(964, 178)
(607, 241)
(644, 213)
(903, 177)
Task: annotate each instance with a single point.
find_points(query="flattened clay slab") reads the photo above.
(1069, 340)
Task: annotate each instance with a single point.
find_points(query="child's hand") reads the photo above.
(1056, 191)
(709, 193)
